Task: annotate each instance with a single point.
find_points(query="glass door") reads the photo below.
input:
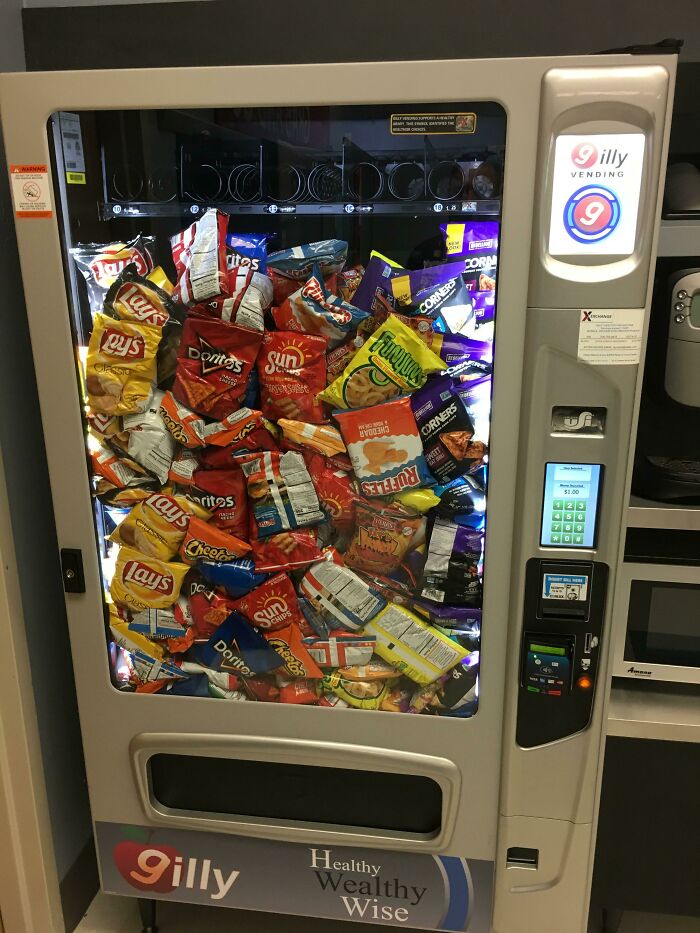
(284, 325)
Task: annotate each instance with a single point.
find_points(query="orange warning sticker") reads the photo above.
(31, 190)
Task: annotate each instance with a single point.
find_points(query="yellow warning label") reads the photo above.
(75, 178)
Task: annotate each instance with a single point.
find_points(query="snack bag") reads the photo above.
(117, 471)
(132, 297)
(323, 438)
(300, 691)
(243, 431)
(383, 535)
(457, 694)
(249, 297)
(238, 648)
(412, 646)
(206, 542)
(247, 251)
(235, 578)
(183, 468)
(186, 427)
(464, 357)
(199, 254)
(156, 526)
(146, 656)
(314, 310)
(349, 281)
(281, 494)
(446, 429)
(150, 442)
(289, 644)
(340, 596)
(374, 669)
(474, 241)
(359, 694)
(297, 263)
(142, 582)
(338, 359)
(292, 370)
(335, 489)
(340, 649)
(452, 572)
(272, 605)
(223, 494)
(285, 551)
(392, 362)
(121, 365)
(214, 363)
(101, 263)
(156, 623)
(464, 500)
(385, 447)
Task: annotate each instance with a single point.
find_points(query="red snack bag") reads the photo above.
(288, 643)
(284, 551)
(207, 607)
(335, 488)
(182, 643)
(244, 430)
(272, 605)
(298, 691)
(283, 287)
(223, 493)
(199, 254)
(214, 364)
(349, 280)
(207, 542)
(292, 369)
(259, 688)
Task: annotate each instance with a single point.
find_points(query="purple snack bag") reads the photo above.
(452, 444)
(386, 288)
(465, 357)
(475, 241)
(453, 569)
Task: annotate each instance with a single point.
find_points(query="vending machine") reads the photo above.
(337, 366)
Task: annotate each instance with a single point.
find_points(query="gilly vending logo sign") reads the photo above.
(593, 211)
(161, 869)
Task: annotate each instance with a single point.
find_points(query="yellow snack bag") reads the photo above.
(121, 365)
(126, 638)
(142, 582)
(393, 361)
(157, 525)
(420, 500)
(412, 646)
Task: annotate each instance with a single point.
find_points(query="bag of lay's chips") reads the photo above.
(199, 254)
(394, 361)
(121, 365)
(314, 310)
(132, 297)
(413, 646)
(156, 526)
(101, 263)
(142, 582)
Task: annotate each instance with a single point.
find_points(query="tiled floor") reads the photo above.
(110, 914)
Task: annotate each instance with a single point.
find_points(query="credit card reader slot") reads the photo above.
(547, 665)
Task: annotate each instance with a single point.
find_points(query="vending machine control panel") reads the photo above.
(570, 505)
(562, 626)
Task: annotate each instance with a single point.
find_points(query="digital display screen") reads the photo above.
(596, 184)
(570, 508)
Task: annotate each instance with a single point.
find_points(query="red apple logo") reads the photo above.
(146, 867)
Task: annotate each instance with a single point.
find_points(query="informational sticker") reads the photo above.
(569, 587)
(72, 145)
(595, 194)
(31, 191)
(422, 123)
(399, 889)
(611, 337)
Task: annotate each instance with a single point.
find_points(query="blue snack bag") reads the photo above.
(235, 577)
(247, 250)
(236, 647)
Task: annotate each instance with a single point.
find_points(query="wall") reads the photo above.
(226, 32)
(34, 536)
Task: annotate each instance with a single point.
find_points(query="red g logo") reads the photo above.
(583, 155)
(147, 868)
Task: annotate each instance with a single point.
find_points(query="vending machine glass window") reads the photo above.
(284, 326)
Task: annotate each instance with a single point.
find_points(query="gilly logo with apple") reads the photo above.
(155, 868)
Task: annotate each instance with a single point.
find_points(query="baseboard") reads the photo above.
(79, 886)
